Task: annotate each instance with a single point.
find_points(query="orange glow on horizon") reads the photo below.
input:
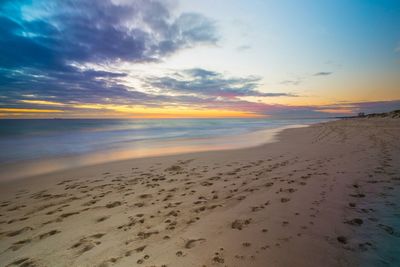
(42, 102)
(124, 111)
(93, 110)
(167, 112)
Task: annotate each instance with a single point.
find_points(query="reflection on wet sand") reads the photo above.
(140, 149)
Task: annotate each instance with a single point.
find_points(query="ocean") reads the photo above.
(90, 141)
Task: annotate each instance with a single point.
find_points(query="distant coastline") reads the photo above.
(392, 114)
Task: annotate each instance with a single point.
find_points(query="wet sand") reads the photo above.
(314, 198)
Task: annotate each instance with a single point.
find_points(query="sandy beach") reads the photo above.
(323, 195)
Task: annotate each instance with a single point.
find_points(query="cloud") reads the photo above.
(322, 73)
(200, 73)
(46, 46)
(62, 54)
(200, 88)
(291, 82)
(206, 83)
(243, 48)
(300, 80)
(98, 31)
(72, 87)
(371, 106)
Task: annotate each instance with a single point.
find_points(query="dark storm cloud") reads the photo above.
(208, 83)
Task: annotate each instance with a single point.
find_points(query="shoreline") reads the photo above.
(31, 168)
(318, 194)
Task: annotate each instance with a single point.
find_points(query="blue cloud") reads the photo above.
(42, 42)
(98, 31)
(212, 84)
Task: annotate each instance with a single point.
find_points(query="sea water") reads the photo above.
(89, 141)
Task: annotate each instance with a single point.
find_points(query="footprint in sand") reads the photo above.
(284, 200)
(50, 233)
(103, 218)
(113, 204)
(240, 224)
(20, 231)
(246, 244)
(356, 222)
(17, 245)
(191, 243)
(87, 243)
(24, 262)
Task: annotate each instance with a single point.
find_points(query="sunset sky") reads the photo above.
(173, 59)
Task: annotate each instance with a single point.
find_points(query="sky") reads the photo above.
(198, 59)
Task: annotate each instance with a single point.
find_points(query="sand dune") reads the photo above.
(320, 196)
